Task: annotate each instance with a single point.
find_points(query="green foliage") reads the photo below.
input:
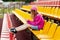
(13, 0)
(27, 1)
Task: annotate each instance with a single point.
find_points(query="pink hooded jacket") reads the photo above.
(37, 21)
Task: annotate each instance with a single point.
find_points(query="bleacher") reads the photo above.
(45, 10)
(51, 30)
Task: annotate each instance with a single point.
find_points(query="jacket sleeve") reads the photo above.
(37, 20)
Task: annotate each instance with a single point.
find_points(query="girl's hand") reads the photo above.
(29, 25)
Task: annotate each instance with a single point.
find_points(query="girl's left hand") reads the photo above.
(29, 25)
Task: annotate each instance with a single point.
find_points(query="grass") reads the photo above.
(3, 11)
(1, 15)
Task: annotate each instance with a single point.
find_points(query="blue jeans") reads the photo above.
(34, 27)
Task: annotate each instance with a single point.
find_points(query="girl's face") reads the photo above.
(33, 13)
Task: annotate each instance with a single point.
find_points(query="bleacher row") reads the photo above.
(51, 30)
(45, 10)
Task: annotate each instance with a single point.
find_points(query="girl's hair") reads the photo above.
(34, 8)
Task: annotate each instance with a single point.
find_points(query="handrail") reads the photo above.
(10, 26)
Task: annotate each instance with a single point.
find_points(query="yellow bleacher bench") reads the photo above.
(56, 35)
(48, 30)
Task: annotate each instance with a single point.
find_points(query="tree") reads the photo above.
(28, 1)
(12, 0)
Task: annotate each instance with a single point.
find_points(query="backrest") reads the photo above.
(58, 14)
(45, 8)
(46, 27)
(57, 33)
(40, 9)
(52, 29)
(48, 10)
(52, 10)
(56, 11)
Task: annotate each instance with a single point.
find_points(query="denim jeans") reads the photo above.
(34, 27)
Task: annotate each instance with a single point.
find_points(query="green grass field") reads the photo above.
(3, 11)
(1, 16)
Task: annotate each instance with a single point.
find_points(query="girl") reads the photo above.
(36, 24)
